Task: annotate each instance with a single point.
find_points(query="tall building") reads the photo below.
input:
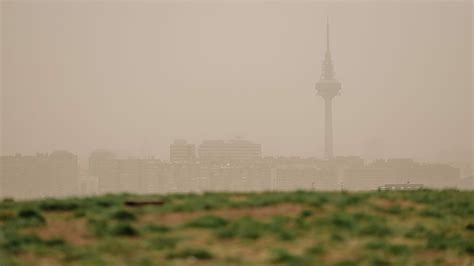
(328, 87)
(40, 175)
(181, 151)
(232, 150)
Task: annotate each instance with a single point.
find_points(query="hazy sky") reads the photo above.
(131, 76)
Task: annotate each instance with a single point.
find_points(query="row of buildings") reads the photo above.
(40, 175)
(235, 165)
(215, 151)
(265, 173)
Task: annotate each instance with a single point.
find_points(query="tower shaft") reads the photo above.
(328, 150)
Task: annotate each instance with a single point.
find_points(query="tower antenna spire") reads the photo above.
(327, 33)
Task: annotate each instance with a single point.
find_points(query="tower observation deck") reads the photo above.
(328, 87)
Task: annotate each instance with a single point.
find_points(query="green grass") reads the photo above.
(123, 215)
(246, 227)
(163, 242)
(208, 221)
(282, 256)
(200, 254)
(315, 228)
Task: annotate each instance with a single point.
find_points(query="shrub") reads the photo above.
(395, 209)
(98, 227)
(71, 254)
(30, 214)
(375, 245)
(56, 205)
(398, 250)
(469, 247)
(283, 256)
(123, 215)
(443, 241)
(431, 213)
(317, 200)
(31, 217)
(264, 199)
(347, 263)
(375, 229)
(470, 227)
(316, 249)
(245, 227)
(192, 202)
(286, 235)
(394, 249)
(162, 242)
(278, 226)
(248, 231)
(14, 242)
(302, 223)
(345, 199)
(55, 242)
(365, 217)
(227, 232)
(342, 220)
(104, 203)
(208, 221)
(124, 229)
(306, 213)
(380, 262)
(234, 260)
(157, 228)
(418, 231)
(200, 254)
(145, 262)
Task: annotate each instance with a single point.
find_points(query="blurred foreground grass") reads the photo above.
(279, 228)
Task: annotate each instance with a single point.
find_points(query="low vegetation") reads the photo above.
(275, 228)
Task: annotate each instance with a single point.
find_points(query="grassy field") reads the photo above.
(296, 228)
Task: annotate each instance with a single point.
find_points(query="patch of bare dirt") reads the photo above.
(260, 212)
(349, 251)
(72, 231)
(447, 258)
(228, 213)
(32, 259)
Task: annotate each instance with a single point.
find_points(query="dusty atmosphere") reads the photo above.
(131, 78)
(236, 133)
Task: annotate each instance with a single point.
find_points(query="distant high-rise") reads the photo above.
(328, 87)
(232, 150)
(181, 151)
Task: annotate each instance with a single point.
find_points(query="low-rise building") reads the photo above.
(40, 175)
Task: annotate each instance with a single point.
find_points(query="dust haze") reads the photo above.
(133, 77)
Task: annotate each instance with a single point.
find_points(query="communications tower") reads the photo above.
(328, 87)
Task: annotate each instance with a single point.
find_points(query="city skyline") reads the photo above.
(209, 132)
(220, 166)
(182, 75)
